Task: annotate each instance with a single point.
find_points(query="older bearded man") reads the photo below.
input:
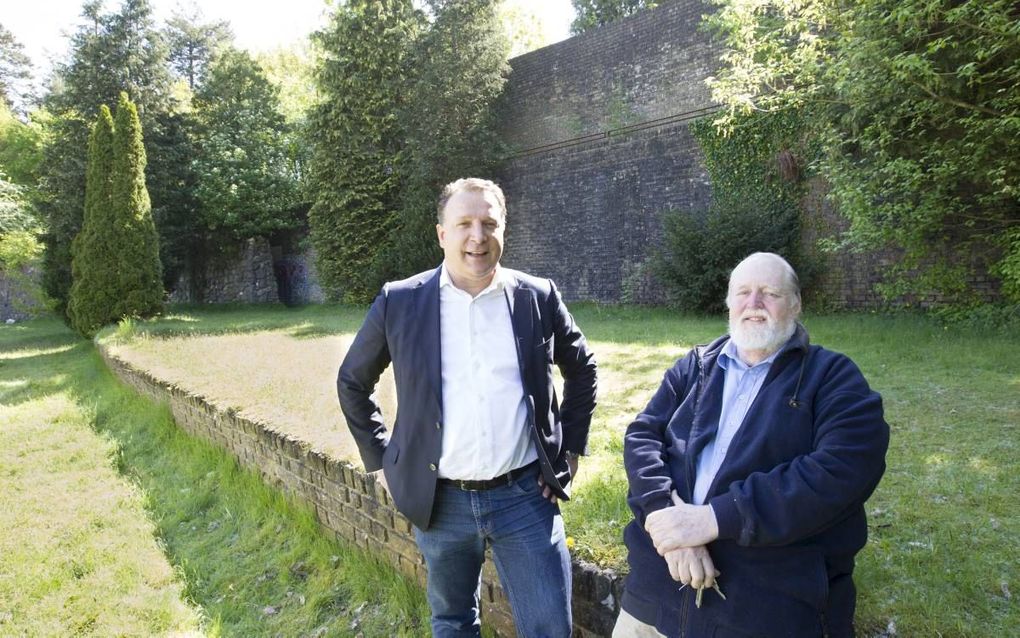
(751, 465)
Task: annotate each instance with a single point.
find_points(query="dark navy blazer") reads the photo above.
(402, 328)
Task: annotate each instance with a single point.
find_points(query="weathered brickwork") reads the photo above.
(589, 215)
(846, 280)
(598, 126)
(246, 277)
(351, 504)
(19, 299)
(600, 150)
(647, 67)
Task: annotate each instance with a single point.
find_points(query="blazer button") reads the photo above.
(439, 425)
(432, 466)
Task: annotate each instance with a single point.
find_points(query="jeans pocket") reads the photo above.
(527, 484)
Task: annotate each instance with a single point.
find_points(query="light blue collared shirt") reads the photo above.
(740, 387)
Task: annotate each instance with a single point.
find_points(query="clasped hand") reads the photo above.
(681, 525)
(680, 534)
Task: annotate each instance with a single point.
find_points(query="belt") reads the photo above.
(502, 480)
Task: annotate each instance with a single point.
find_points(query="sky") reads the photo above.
(45, 26)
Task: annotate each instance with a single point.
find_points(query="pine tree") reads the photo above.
(456, 73)
(110, 53)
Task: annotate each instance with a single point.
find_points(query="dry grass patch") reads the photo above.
(283, 381)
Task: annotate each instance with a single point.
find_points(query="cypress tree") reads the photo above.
(139, 275)
(115, 266)
(91, 297)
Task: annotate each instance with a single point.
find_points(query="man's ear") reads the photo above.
(440, 234)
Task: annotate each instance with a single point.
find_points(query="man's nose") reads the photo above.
(757, 299)
(477, 232)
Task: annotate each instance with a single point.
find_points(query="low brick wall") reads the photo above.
(351, 504)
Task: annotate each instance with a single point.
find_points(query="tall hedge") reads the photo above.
(456, 73)
(357, 172)
(115, 258)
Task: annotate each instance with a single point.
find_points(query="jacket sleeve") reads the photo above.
(362, 366)
(806, 495)
(580, 376)
(645, 443)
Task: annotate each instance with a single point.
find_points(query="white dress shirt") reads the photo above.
(484, 415)
(740, 387)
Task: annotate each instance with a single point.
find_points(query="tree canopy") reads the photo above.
(193, 42)
(917, 106)
(590, 14)
(15, 68)
(245, 181)
(110, 53)
(357, 171)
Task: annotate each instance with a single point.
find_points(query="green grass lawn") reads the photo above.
(115, 522)
(942, 559)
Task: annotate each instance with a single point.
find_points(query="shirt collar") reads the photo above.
(500, 280)
(730, 355)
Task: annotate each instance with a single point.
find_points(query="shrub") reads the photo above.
(756, 190)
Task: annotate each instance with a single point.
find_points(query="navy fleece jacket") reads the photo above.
(789, 496)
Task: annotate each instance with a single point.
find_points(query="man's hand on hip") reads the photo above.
(681, 525)
(546, 490)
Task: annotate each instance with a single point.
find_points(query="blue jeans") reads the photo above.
(529, 548)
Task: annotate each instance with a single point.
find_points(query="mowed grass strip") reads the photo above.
(207, 548)
(943, 558)
(78, 552)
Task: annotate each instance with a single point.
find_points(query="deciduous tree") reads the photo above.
(917, 106)
(246, 183)
(596, 13)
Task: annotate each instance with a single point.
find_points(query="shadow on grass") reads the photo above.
(310, 321)
(254, 562)
(37, 359)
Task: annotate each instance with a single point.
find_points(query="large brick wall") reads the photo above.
(601, 149)
(351, 504)
(597, 125)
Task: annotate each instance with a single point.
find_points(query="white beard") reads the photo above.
(767, 336)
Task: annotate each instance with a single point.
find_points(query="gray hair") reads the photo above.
(475, 184)
(792, 280)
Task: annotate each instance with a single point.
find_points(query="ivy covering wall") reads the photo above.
(757, 172)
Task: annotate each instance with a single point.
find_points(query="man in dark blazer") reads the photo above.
(479, 450)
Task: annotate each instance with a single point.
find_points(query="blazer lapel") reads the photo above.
(426, 317)
(523, 321)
